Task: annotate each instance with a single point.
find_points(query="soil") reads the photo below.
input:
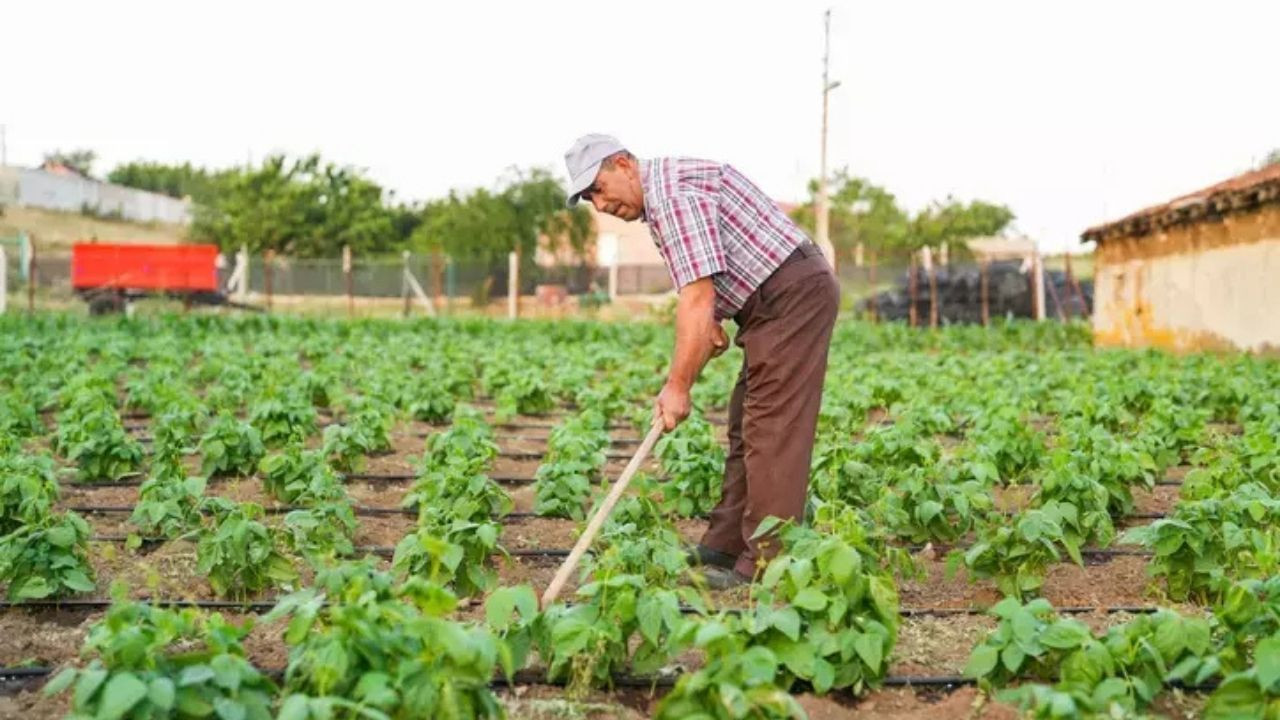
(964, 703)
(926, 646)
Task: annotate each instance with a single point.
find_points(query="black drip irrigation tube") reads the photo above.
(532, 677)
(359, 510)
(380, 550)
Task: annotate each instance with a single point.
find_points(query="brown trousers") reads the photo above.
(784, 330)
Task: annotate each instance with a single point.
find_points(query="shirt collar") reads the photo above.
(647, 185)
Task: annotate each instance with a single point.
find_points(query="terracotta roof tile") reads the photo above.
(1240, 193)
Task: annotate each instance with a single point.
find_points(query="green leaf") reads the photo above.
(161, 693)
(60, 682)
(90, 680)
(1266, 658)
(122, 692)
(1064, 635)
(869, 649)
(1012, 656)
(759, 666)
(787, 621)
(810, 599)
(982, 661)
(228, 709)
(194, 675)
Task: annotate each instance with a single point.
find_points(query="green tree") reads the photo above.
(1273, 158)
(486, 225)
(859, 212)
(80, 160)
(954, 221)
(299, 207)
(173, 180)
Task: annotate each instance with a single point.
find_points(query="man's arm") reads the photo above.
(698, 339)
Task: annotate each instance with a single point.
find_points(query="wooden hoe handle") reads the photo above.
(602, 514)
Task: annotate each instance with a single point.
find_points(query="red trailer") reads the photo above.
(108, 276)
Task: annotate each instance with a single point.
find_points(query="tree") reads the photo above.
(486, 225)
(300, 207)
(80, 160)
(1273, 158)
(953, 221)
(177, 181)
(859, 212)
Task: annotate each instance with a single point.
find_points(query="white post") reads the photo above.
(1037, 270)
(608, 255)
(4, 280)
(513, 285)
(242, 270)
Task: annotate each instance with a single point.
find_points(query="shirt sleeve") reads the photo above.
(689, 238)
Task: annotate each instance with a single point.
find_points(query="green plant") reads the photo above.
(297, 476)
(1029, 642)
(1253, 692)
(323, 532)
(432, 402)
(239, 555)
(575, 456)
(153, 662)
(824, 610)
(450, 551)
(229, 446)
(1207, 543)
(168, 502)
(28, 490)
(454, 492)
(735, 681)
(524, 394)
(1016, 552)
(693, 461)
(47, 557)
(98, 445)
(360, 647)
(923, 509)
(283, 420)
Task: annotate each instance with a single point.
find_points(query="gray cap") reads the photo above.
(583, 161)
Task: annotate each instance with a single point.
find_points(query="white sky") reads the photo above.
(1069, 112)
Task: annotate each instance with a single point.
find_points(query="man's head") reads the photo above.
(604, 173)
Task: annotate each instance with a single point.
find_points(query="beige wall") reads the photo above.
(635, 244)
(1206, 285)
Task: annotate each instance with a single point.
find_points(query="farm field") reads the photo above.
(207, 516)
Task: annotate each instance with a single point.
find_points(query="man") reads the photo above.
(732, 253)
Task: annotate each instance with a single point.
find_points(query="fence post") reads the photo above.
(31, 276)
(871, 281)
(267, 275)
(1037, 286)
(346, 273)
(242, 262)
(1057, 304)
(4, 281)
(513, 285)
(911, 290)
(404, 283)
(926, 254)
(986, 293)
(1075, 287)
(450, 284)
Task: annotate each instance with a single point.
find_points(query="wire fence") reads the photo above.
(892, 288)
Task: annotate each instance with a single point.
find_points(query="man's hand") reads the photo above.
(672, 406)
(719, 341)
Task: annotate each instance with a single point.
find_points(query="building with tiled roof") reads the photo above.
(1200, 271)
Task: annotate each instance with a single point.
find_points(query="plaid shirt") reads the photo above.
(710, 221)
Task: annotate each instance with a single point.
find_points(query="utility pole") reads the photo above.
(4, 148)
(822, 212)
